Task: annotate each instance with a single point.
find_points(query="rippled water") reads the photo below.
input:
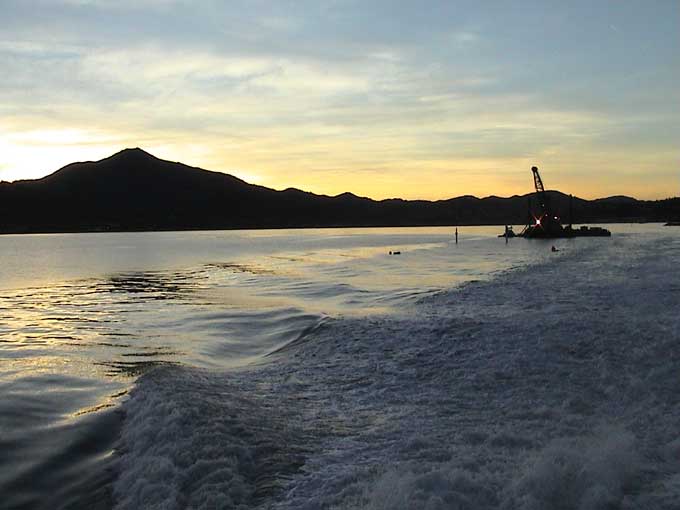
(83, 316)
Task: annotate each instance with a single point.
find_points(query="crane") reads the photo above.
(540, 190)
(545, 223)
(538, 182)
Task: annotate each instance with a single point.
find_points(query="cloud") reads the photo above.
(310, 89)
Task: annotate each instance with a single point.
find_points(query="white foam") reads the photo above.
(586, 473)
(553, 387)
(193, 440)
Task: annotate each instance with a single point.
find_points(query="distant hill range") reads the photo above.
(133, 190)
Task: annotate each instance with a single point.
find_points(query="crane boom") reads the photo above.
(540, 191)
(538, 182)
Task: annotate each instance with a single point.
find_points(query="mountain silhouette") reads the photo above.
(134, 190)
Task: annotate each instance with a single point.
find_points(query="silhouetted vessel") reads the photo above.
(509, 232)
(544, 224)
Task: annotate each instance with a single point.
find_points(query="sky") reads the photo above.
(419, 100)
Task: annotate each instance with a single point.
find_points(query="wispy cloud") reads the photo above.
(332, 95)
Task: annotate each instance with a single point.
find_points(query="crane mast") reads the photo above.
(540, 190)
(543, 222)
(538, 182)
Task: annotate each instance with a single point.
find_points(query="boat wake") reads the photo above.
(549, 387)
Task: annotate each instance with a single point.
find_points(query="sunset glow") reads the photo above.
(385, 100)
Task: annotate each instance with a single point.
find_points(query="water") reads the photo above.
(311, 369)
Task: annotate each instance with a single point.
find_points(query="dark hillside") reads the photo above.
(133, 190)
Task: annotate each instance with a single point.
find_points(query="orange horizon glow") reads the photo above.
(42, 153)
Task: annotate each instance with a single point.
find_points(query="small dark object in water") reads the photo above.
(395, 253)
(553, 249)
(508, 232)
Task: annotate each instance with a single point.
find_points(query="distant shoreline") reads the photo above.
(318, 227)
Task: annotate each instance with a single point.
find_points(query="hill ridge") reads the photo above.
(134, 190)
